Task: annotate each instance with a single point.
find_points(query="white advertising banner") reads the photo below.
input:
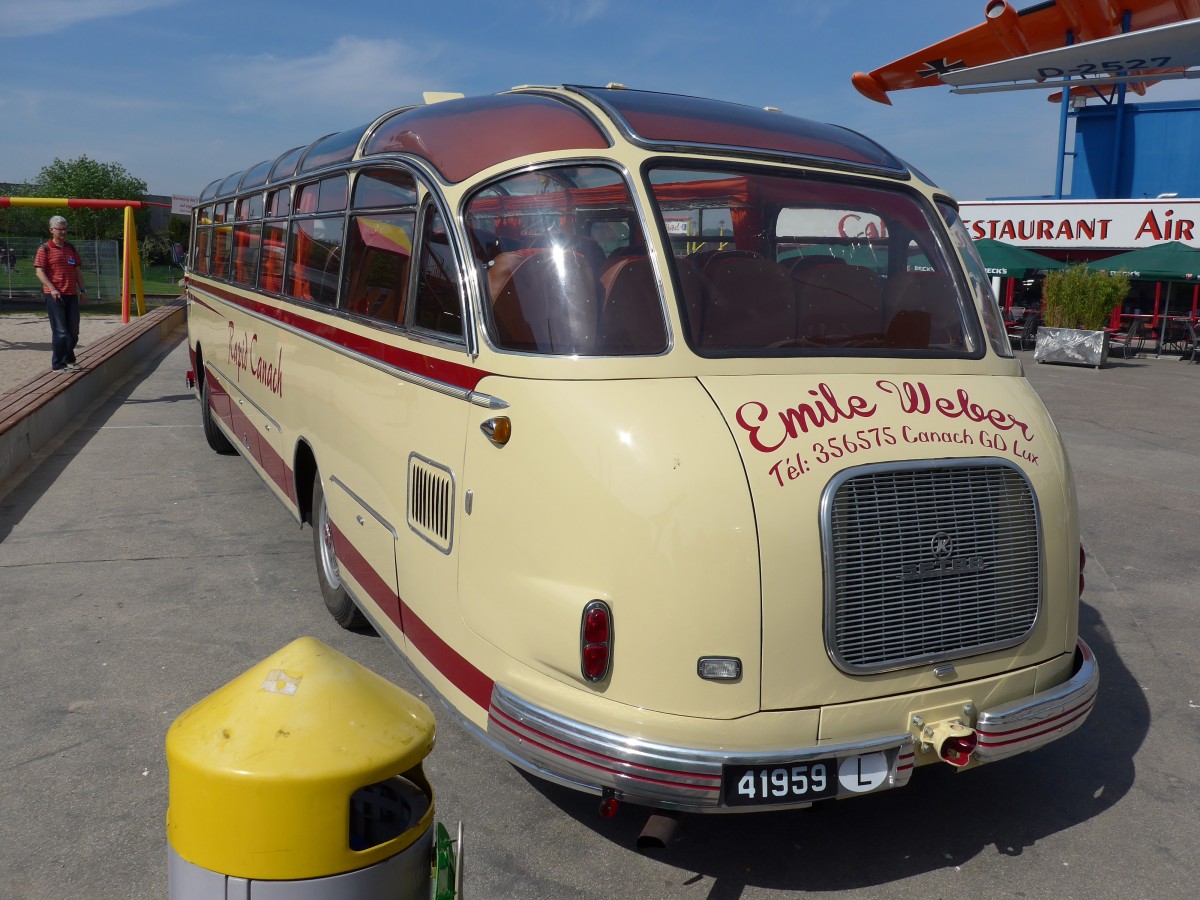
(844, 223)
(182, 206)
(1084, 224)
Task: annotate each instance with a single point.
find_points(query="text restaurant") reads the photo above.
(1157, 242)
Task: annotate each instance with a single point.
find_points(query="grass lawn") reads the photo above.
(162, 281)
(105, 308)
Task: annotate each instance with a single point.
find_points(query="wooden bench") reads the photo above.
(35, 410)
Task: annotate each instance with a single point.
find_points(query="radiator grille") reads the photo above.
(431, 502)
(929, 562)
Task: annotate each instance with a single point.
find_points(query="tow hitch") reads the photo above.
(951, 739)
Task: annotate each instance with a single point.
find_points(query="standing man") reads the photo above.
(58, 268)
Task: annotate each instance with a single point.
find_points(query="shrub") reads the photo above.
(1078, 297)
(154, 248)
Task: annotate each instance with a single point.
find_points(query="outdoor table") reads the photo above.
(1179, 335)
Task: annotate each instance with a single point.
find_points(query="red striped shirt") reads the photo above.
(61, 265)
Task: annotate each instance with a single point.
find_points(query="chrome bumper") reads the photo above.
(638, 771)
(1035, 721)
(597, 761)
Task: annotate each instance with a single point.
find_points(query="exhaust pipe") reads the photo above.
(659, 831)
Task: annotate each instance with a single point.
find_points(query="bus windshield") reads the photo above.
(566, 267)
(764, 265)
(769, 264)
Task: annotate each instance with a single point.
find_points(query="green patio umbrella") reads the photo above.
(1173, 261)
(1008, 261)
(1170, 262)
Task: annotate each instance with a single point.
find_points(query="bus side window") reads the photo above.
(438, 305)
(200, 257)
(222, 243)
(378, 253)
(270, 275)
(314, 259)
(245, 252)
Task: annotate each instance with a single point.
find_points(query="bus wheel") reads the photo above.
(337, 600)
(214, 435)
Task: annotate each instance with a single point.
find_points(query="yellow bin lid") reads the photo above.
(262, 771)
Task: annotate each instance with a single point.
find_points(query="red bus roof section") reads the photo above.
(463, 137)
(674, 121)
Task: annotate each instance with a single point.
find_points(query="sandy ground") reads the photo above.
(25, 343)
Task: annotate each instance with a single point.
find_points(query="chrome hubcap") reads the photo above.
(328, 558)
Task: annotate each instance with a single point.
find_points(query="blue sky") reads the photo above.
(184, 91)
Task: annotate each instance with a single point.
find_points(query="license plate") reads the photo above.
(787, 783)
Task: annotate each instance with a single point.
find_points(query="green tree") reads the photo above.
(85, 178)
(22, 221)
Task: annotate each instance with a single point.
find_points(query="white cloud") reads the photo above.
(357, 76)
(22, 18)
(575, 13)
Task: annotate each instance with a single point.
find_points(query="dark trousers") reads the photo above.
(64, 329)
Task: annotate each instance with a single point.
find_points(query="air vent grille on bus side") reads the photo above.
(431, 502)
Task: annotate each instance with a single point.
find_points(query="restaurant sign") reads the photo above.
(1084, 224)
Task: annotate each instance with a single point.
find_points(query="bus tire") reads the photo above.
(214, 435)
(329, 575)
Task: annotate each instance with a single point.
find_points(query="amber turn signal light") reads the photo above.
(497, 429)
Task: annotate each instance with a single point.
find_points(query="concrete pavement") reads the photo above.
(139, 572)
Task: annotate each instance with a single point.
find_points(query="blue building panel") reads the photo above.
(1157, 152)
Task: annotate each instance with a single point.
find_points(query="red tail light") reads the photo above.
(595, 641)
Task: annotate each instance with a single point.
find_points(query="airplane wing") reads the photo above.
(1007, 33)
(1165, 47)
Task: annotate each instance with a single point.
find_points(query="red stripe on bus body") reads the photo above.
(364, 573)
(431, 367)
(220, 398)
(264, 454)
(461, 673)
(468, 679)
(279, 471)
(465, 676)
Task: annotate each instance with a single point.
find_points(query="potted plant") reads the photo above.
(1076, 303)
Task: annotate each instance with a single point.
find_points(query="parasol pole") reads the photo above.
(1162, 329)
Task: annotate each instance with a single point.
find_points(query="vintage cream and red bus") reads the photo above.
(677, 444)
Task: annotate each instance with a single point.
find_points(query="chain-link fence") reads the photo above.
(101, 269)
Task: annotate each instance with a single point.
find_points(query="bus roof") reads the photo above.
(450, 135)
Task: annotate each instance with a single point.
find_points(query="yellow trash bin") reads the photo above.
(301, 778)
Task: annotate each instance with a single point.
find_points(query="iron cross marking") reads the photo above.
(937, 67)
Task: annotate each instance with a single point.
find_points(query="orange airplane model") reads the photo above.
(1007, 34)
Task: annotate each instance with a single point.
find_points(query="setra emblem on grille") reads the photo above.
(942, 545)
(944, 562)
